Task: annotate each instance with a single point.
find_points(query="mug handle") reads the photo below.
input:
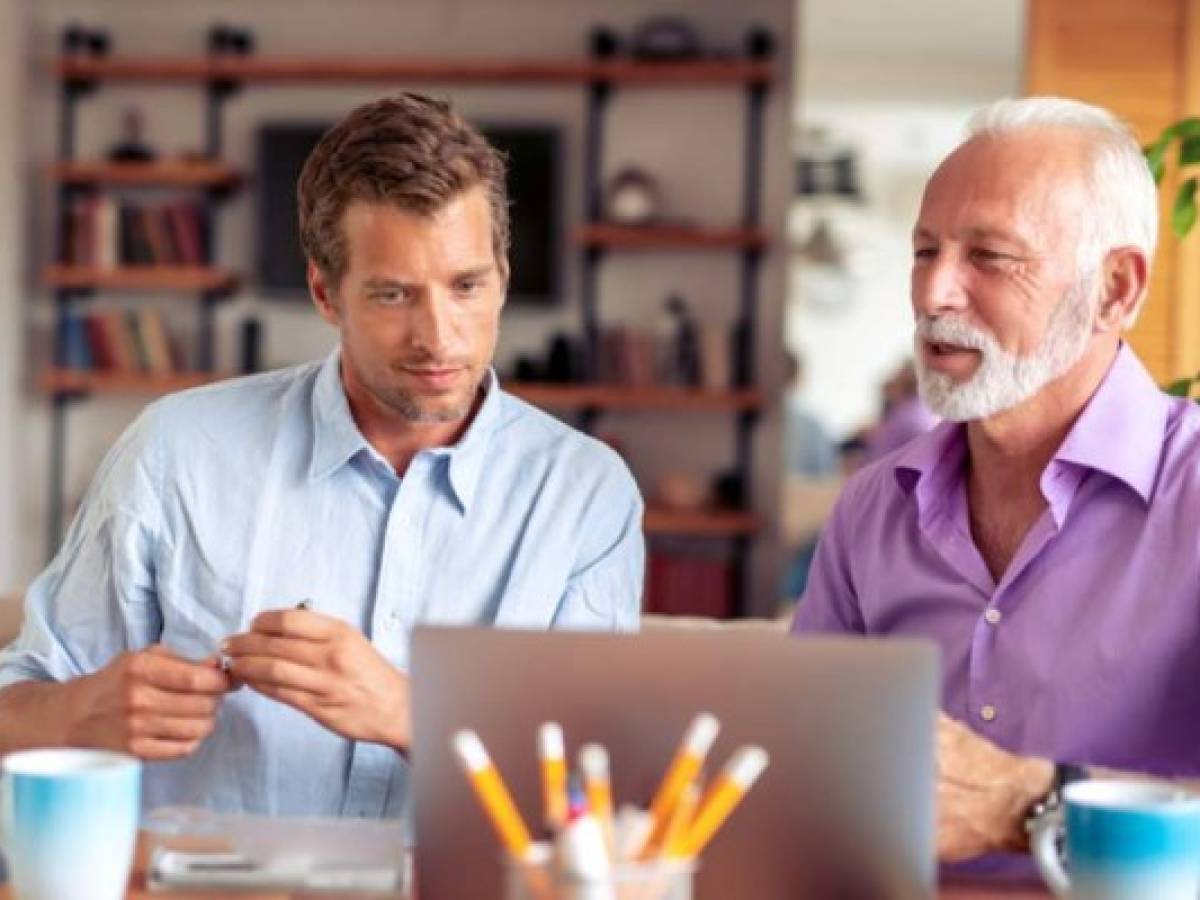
(1043, 843)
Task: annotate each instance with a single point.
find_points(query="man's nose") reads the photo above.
(433, 327)
(938, 286)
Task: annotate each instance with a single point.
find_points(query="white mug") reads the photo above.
(69, 822)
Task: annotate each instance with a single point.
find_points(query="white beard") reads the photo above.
(1003, 380)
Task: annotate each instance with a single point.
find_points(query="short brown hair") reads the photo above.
(410, 151)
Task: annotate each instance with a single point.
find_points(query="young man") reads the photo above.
(392, 484)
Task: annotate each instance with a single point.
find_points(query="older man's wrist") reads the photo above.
(1035, 781)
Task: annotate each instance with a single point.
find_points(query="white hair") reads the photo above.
(1125, 211)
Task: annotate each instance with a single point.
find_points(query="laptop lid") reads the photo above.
(844, 810)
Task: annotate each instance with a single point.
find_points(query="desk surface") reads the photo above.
(955, 890)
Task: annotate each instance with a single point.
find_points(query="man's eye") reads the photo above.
(983, 254)
(387, 296)
(924, 252)
(468, 286)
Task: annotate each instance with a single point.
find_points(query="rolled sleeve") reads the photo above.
(96, 599)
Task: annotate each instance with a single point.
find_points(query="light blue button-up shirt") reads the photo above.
(253, 494)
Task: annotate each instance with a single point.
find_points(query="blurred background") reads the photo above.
(712, 204)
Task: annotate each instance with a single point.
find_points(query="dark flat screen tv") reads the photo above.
(534, 188)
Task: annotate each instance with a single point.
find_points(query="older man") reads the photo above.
(391, 484)
(1047, 536)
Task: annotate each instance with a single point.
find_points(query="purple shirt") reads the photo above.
(1088, 649)
(906, 420)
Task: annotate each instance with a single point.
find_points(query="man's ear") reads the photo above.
(1125, 273)
(322, 295)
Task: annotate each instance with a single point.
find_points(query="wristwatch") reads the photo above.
(1051, 803)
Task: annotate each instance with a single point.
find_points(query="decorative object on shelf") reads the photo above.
(229, 40)
(682, 363)
(604, 42)
(716, 357)
(825, 168)
(729, 490)
(665, 38)
(251, 346)
(132, 148)
(633, 197)
(760, 42)
(565, 363)
(80, 41)
(680, 490)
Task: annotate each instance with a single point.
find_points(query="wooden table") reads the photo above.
(956, 889)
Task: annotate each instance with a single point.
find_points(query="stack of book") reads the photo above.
(116, 340)
(100, 231)
(689, 584)
(636, 357)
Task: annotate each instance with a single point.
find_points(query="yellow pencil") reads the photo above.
(681, 820)
(697, 741)
(552, 752)
(727, 792)
(597, 783)
(492, 794)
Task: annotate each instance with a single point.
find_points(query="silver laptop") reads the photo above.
(845, 809)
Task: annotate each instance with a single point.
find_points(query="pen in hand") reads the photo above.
(226, 661)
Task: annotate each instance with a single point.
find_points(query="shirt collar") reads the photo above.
(1120, 432)
(336, 438)
(466, 458)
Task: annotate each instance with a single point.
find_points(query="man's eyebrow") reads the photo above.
(478, 271)
(384, 283)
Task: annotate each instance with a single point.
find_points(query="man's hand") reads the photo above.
(983, 793)
(151, 703)
(327, 670)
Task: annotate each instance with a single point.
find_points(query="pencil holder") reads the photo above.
(539, 878)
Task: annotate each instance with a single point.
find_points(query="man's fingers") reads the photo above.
(303, 701)
(149, 700)
(158, 750)
(298, 650)
(171, 729)
(296, 623)
(260, 671)
(169, 673)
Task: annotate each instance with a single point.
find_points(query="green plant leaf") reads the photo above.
(1184, 128)
(1156, 159)
(1183, 214)
(1189, 150)
(1181, 388)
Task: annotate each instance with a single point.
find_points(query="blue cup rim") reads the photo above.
(67, 762)
(1114, 795)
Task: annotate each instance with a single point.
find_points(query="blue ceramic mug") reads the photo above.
(1123, 840)
(68, 822)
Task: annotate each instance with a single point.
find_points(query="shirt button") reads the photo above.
(988, 713)
(991, 615)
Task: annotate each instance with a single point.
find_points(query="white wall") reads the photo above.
(12, 77)
(645, 126)
(879, 79)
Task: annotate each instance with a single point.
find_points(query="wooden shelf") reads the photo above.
(614, 397)
(168, 173)
(348, 69)
(140, 278)
(699, 523)
(82, 381)
(668, 237)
